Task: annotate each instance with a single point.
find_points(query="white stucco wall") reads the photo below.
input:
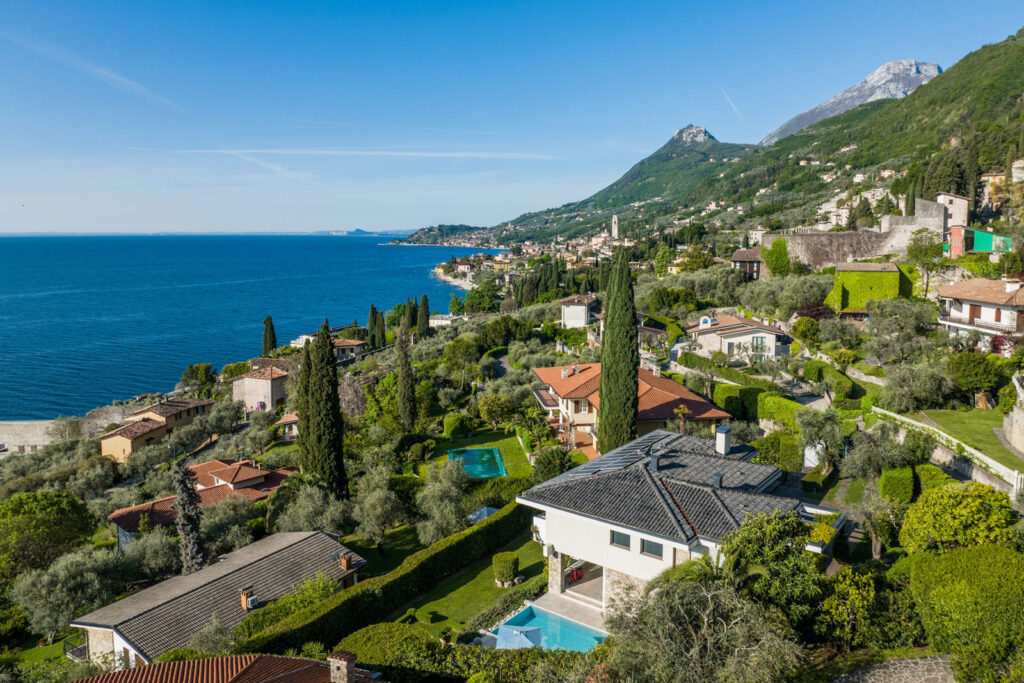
(575, 316)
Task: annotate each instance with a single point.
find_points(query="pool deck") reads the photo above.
(571, 609)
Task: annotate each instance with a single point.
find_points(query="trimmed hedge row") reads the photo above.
(932, 477)
(740, 402)
(777, 408)
(373, 599)
(820, 371)
(897, 484)
(780, 449)
(695, 362)
(815, 482)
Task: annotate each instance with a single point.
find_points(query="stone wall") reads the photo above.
(1013, 427)
(618, 585)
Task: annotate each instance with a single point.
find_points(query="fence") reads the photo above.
(1012, 477)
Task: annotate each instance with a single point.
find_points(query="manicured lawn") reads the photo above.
(974, 428)
(103, 538)
(459, 598)
(399, 543)
(854, 492)
(38, 655)
(511, 452)
(578, 458)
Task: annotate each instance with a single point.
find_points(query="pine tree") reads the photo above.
(186, 501)
(620, 361)
(423, 318)
(269, 336)
(321, 446)
(371, 327)
(406, 389)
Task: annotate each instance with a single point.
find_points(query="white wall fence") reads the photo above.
(1012, 477)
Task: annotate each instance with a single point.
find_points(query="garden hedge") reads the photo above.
(505, 566)
(820, 371)
(814, 481)
(695, 362)
(780, 449)
(373, 599)
(777, 408)
(456, 425)
(740, 402)
(897, 484)
(932, 477)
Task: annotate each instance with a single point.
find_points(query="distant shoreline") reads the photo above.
(454, 282)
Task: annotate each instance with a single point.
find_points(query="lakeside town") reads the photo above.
(749, 413)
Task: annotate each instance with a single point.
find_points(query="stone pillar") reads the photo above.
(343, 666)
(556, 577)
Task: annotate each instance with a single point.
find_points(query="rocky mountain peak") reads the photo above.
(892, 80)
(692, 135)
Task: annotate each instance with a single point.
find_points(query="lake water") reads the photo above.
(86, 320)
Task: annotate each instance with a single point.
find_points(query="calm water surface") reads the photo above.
(86, 320)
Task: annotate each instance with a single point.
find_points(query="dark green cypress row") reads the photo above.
(382, 330)
(620, 361)
(269, 336)
(371, 329)
(301, 401)
(406, 391)
(323, 444)
(409, 315)
(423, 318)
(186, 501)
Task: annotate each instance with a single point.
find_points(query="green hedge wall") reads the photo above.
(814, 481)
(851, 290)
(931, 477)
(740, 402)
(372, 600)
(776, 407)
(692, 360)
(897, 484)
(780, 449)
(820, 371)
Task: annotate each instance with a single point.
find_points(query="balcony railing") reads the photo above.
(76, 647)
(981, 324)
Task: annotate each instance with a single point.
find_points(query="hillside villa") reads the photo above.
(146, 624)
(216, 480)
(260, 390)
(989, 307)
(749, 261)
(289, 425)
(149, 424)
(580, 310)
(732, 334)
(572, 396)
(347, 349)
(649, 505)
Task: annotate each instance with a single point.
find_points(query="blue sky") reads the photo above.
(257, 116)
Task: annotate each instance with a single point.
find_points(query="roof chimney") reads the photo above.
(723, 440)
(1011, 284)
(716, 480)
(343, 666)
(565, 372)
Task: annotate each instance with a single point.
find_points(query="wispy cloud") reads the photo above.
(729, 100)
(62, 55)
(278, 169)
(398, 153)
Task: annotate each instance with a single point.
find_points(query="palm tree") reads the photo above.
(705, 569)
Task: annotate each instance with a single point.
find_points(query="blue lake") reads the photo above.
(86, 320)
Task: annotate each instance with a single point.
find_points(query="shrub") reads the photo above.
(970, 602)
(780, 449)
(957, 516)
(456, 425)
(353, 608)
(777, 408)
(738, 401)
(820, 371)
(385, 644)
(692, 360)
(794, 348)
(307, 593)
(897, 485)
(506, 566)
(932, 477)
(822, 533)
(806, 329)
(814, 481)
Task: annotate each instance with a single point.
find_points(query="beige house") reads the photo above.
(990, 307)
(289, 425)
(260, 389)
(149, 424)
(734, 335)
(346, 349)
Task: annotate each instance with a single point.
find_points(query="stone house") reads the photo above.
(749, 261)
(150, 424)
(347, 349)
(260, 390)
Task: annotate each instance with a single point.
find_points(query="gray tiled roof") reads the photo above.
(664, 484)
(167, 615)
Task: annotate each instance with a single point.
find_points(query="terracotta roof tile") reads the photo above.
(752, 254)
(268, 373)
(985, 291)
(731, 324)
(173, 406)
(134, 430)
(348, 343)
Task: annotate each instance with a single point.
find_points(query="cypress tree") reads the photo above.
(423, 318)
(1009, 164)
(406, 390)
(382, 329)
(321, 448)
(620, 361)
(371, 327)
(186, 501)
(409, 319)
(269, 336)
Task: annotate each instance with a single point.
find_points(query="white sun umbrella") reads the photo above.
(516, 637)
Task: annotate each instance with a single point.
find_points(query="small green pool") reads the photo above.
(480, 463)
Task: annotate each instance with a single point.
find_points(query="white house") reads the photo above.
(991, 307)
(650, 505)
(579, 311)
(733, 335)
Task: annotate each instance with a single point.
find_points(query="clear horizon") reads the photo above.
(123, 118)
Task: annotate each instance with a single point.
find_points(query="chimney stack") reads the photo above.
(723, 440)
(247, 594)
(565, 372)
(343, 666)
(716, 480)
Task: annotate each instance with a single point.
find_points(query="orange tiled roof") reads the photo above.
(267, 373)
(239, 471)
(234, 669)
(202, 470)
(134, 430)
(289, 419)
(348, 343)
(173, 406)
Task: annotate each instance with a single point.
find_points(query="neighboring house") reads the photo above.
(260, 390)
(289, 425)
(964, 240)
(146, 624)
(987, 181)
(347, 349)
(340, 667)
(1017, 171)
(444, 319)
(149, 424)
(572, 397)
(957, 208)
(732, 335)
(749, 261)
(652, 504)
(216, 480)
(991, 307)
(301, 340)
(855, 284)
(579, 311)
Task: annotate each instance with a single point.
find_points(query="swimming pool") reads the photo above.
(557, 632)
(480, 463)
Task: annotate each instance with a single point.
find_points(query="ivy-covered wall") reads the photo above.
(852, 290)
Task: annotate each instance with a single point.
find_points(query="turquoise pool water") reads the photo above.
(558, 633)
(480, 463)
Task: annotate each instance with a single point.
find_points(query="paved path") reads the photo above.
(504, 367)
(933, 669)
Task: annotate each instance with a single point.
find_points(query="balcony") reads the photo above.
(987, 325)
(76, 647)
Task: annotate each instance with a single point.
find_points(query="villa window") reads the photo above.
(759, 344)
(620, 540)
(650, 548)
